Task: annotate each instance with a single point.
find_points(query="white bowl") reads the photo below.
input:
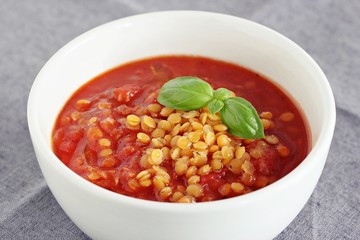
(102, 214)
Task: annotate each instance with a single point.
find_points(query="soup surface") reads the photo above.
(114, 133)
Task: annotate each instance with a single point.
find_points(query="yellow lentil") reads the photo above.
(176, 196)
(166, 152)
(156, 157)
(214, 117)
(164, 124)
(184, 127)
(94, 133)
(158, 132)
(148, 121)
(174, 118)
(144, 161)
(237, 187)
(133, 120)
(196, 126)
(82, 104)
(223, 140)
(240, 152)
(216, 165)
(220, 127)
(287, 117)
(203, 118)
(266, 115)
(175, 130)
(235, 165)
(166, 111)
(193, 179)
(158, 182)
(247, 167)
(190, 114)
(158, 142)
(180, 167)
(186, 152)
(104, 142)
(227, 153)
(282, 150)
(204, 170)
(186, 199)
(268, 124)
(143, 137)
(225, 189)
(195, 190)
(191, 171)
(214, 148)
(271, 139)
(183, 143)
(165, 193)
(155, 108)
(209, 138)
(199, 159)
(200, 145)
(175, 153)
(145, 183)
(105, 152)
(143, 175)
(194, 136)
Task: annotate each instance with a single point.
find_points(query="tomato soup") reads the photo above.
(114, 133)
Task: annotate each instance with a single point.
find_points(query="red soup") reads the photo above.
(115, 134)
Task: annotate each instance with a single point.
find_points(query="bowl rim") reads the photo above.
(324, 138)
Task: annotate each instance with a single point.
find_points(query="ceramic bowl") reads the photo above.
(102, 214)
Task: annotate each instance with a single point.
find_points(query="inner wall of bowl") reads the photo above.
(230, 39)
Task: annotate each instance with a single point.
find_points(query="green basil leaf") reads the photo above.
(215, 106)
(241, 118)
(185, 93)
(222, 94)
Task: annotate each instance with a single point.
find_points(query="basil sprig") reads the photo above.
(191, 93)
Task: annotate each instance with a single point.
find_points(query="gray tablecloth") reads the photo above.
(31, 31)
